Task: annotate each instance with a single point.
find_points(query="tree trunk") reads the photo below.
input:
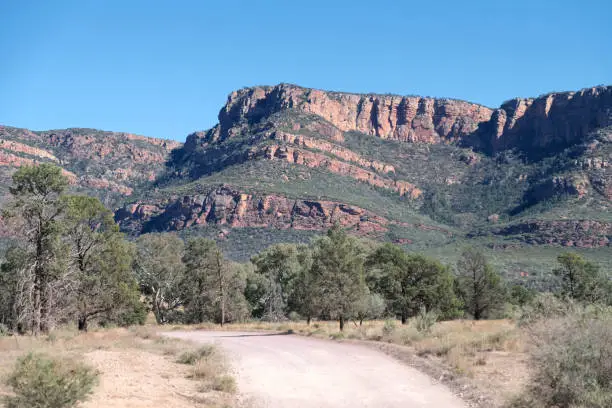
(308, 321)
(157, 309)
(83, 323)
(360, 322)
(404, 317)
(341, 323)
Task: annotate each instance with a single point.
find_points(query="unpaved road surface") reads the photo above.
(279, 370)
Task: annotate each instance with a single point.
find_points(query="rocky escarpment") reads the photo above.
(224, 205)
(405, 118)
(551, 122)
(537, 126)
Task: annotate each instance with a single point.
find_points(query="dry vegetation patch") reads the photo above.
(136, 368)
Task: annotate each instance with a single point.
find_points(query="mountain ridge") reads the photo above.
(422, 172)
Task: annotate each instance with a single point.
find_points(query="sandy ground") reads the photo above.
(278, 370)
(139, 380)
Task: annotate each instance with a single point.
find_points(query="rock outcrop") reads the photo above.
(405, 118)
(546, 124)
(225, 205)
(551, 122)
(92, 159)
(312, 159)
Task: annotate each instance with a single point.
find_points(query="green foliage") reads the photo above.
(370, 306)
(411, 282)
(521, 295)
(339, 273)
(213, 288)
(44, 382)
(581, 280)
(42, 181)
(203, 266)
(279, 266)
(37, 207)
(304, 287)
(102, 259)
(160, 272)
(479, 285)
(133, 315)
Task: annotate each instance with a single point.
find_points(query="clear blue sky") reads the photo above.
(164, 68)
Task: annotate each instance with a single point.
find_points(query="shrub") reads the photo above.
(4, 330)
(545, 306)
(388, 327)
(39, 381)
(572, 362)
(425, 320)
(191, 357)
(224, 383)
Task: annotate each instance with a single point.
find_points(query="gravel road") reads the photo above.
(280, 370)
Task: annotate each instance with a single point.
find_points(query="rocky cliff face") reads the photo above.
(225, 205)
(550, 122)
(412, 119)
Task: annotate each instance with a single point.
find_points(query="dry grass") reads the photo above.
(490, 353)
(138, 367)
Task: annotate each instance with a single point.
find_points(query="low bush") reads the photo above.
(39, 381)
(224, 383)
(571, 361)
(191, 357)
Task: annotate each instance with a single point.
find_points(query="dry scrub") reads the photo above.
(137, 367)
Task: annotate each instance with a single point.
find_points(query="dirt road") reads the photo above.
(278, 370)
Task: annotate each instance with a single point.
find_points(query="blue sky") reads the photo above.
(164, 69)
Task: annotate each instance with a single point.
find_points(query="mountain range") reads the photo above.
(525, 181)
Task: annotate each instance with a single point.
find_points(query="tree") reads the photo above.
(479, 285)
(36, 194)
(411, 282)
(339, 273)
(160, 272)
(581, 279)
(101, 259)
(370, 306)
(303, 297)
(521, 295)
(214, 288)
(279, 265)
